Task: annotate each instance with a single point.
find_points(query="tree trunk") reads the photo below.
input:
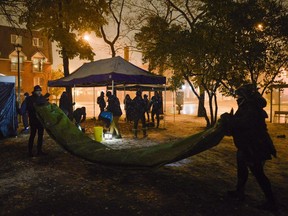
(66, 73)
(201, 109)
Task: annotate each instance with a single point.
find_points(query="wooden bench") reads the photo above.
(280, 114)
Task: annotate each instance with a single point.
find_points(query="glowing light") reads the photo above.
(86, 37)
(260, 27)
(107, 136)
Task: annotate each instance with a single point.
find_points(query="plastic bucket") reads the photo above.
(98, 133)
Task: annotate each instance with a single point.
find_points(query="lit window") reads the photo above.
(38, 81)
(38, 42)
(16, 39)
(38, 64)
(14, 63)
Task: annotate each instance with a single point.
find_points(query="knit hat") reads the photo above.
(37, 88)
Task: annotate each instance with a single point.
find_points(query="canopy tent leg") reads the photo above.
(74, 96)
(165, 97)
(94, 101)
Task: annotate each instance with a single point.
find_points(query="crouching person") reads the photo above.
(79, 115)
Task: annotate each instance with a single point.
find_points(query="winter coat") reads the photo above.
(101, 102)
(114, 106)
(28, 106)
(138, 107)
(249, 131)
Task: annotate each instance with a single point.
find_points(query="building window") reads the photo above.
(38, 42)
(14, 63)
(16, 39)
(38, 64)
(38, 81)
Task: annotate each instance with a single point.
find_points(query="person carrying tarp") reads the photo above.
(115, 109)
(253, 143)
(35, 125)
(138, 105)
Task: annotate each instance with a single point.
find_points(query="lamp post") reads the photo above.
(18, 49)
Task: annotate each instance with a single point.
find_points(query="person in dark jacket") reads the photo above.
(138, 105)
(35, 125)
(25, 118)
(79, 115)
(127, 107)
(114, 107)
(156, 104)
(101, 102)
(147, 110)
(253, 143)
(66, 105)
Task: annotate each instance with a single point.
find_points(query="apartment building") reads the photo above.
(34, 52)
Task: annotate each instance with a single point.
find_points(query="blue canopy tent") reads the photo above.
(105, 72)
(110, 72)
(8, 112)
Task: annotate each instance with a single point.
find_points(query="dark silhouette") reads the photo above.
(115, 109)
(35, 124)
(66, 105)
(156, 104)
(147, 109)
(127, 107)
(138, 105)
(25, 116)
(253, 143)
(102, 103)
(79, 115)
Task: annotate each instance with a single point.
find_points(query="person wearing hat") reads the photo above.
(254, 145)
(114, 107)
(35, 125)
(138, 105)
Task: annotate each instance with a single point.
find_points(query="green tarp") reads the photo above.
(66, 134)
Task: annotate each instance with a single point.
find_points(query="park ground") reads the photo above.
(62, 184)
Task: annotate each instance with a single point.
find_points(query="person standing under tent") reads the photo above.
(65, 104)
(156, 104)
(147, 110)
(114, 107)
(127, 107)
(138, 105)
(102, 103)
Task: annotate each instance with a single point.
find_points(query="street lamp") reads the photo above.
(18, 49)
